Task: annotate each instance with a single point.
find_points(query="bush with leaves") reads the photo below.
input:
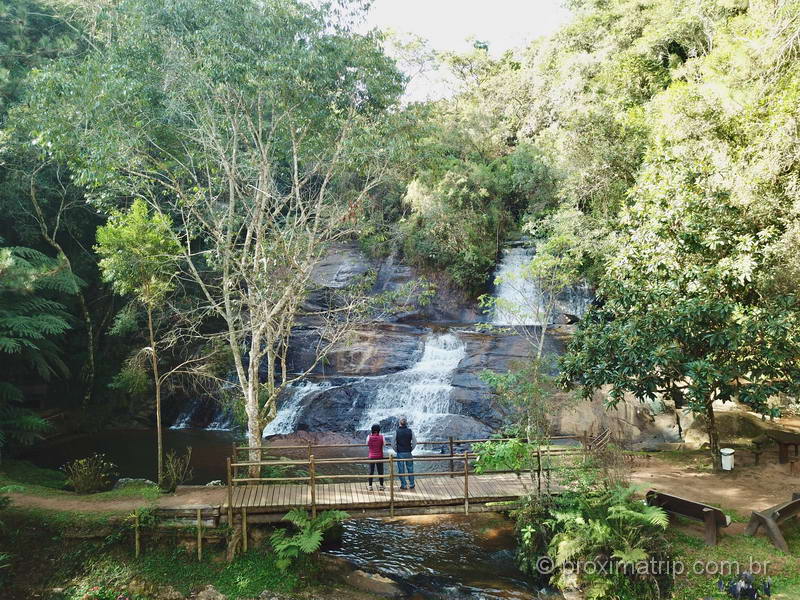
(177, 470)
(308, 537)
(93, 474)
(600, 523)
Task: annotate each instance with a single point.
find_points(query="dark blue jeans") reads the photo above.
(404, 466)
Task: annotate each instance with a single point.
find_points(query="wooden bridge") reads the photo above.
(450, 482)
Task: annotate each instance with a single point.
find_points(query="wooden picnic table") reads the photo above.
(785, 439)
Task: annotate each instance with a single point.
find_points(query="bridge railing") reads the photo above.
(542, 463)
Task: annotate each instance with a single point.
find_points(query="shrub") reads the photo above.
(92, 474)
(308, 538)
(592, 522)
(176, 470)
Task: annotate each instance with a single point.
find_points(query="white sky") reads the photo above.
(446, 24)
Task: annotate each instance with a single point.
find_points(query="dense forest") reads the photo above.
(650, 146)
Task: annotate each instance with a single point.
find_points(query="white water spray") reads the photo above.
(421, 393)
(289, 412)
(520, 299)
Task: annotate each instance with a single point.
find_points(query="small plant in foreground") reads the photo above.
(176, 470)
(92, 474)
(308, 538)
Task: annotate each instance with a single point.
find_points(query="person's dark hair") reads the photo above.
(403, 422)
(376, 429)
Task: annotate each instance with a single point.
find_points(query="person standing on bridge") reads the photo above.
(404, 443)
(375, 444)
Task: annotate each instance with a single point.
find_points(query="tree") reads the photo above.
(139, 255)
(691, 305)
(29, 324)
(253, 126)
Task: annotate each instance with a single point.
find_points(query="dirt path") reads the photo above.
(185, 496)
(743, 490)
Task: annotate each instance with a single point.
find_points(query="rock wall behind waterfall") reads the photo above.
(425, 364)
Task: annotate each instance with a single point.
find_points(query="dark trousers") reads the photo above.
(376, 466)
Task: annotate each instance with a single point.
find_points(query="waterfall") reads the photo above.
(290, 409)
(421, 393)
(207, 413)
(520, 299)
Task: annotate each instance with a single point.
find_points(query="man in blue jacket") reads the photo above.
(404, 443)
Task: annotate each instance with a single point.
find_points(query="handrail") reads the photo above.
(364, 459)
(542, 468)
(388, 443)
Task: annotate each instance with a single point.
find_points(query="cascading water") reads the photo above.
(520, 299)
(286, 420)
(209, 413)
(421, 393)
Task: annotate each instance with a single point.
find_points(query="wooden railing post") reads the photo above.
(230, 495)
(313, 485)
(391, 486)
(244, 528)
(199, 534)
(137, 545)
(539, 469)
(308, 452)
(466, 483)
(452, 464)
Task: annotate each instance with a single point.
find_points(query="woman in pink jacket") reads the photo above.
(375, 443)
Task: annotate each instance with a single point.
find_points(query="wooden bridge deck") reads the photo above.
(430, 495)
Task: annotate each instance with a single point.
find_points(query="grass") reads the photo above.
(26, 477)
(37, 539)
(784, 569)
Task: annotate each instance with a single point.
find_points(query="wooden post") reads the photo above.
(199, 534)
(137, 546)
(539, 469)
(234, 453)
(452, 464)
(230, 495)
(391, 486)
(466, 483)
(711, 529)
(783, 453)
(313, 484)
(244, 529)
(308, 452)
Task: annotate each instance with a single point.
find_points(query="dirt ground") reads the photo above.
(185, 496)
(743, 490)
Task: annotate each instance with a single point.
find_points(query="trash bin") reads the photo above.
(727, 458)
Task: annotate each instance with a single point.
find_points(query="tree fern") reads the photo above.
(29, 320)
(308, 537)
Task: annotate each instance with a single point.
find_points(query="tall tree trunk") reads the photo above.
(254, 428)
(88, 375)
(157, 380)
(713, 435)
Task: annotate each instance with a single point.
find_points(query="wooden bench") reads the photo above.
(771, 519)
(712, 517)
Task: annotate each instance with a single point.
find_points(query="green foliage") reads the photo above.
(509, 455)
(30, 35)
(138, 253)
(90, 475)
(593, 521)
(308, 537)
(176, 470)
(29, 323)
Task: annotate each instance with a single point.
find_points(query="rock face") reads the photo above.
(378, 350)
(390, 368)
